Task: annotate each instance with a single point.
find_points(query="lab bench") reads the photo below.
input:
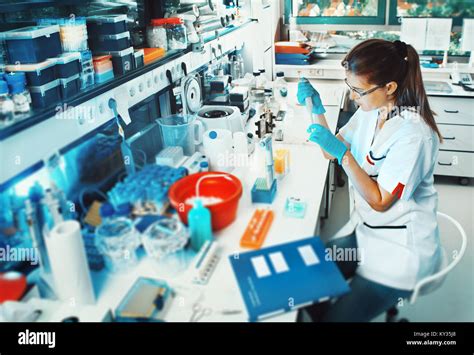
(307, 180)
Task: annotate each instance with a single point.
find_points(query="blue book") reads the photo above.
(286, 277)
(291, 56)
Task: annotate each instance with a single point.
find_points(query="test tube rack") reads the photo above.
(257, 229)
(205, 263)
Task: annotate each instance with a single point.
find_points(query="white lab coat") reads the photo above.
(400, 246)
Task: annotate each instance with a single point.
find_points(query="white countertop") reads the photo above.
(307, 177)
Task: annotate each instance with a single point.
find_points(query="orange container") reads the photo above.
(222, 213)
(152, 54)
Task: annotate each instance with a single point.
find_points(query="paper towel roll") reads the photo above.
(69, 266)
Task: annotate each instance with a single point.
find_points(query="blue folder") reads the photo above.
(286, 277)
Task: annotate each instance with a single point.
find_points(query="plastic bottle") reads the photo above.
(199, 220)
(280, 90)
(7, 107)
(263, 78)
(256, 83)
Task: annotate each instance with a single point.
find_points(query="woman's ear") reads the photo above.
(391, 87)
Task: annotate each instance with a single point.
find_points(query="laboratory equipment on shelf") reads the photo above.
(72, 32)
(264, 188)
(226, 191)
(7, 107)
(19, 93)
(181, 130)
(164, 240)
(237, 68)
(117, 239)
(148, 300)
(257, 229)
(156, 34)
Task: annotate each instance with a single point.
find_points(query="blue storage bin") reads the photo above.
(122, 61)
(36, 74)
(45, 95)
(110, 43)
(106, 25)
(33, 44)
(68, 64)
(70, 86)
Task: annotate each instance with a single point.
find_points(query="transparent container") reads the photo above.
(164, 241)
(117, 240)
(280, 90)
(176, 33)
(7, 107)
(156, 34)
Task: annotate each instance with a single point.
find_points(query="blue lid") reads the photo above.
(204, 164)
(213, 134)
(16, 77)
(106, 210)
(3, 87)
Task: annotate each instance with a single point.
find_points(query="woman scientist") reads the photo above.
(388, 149)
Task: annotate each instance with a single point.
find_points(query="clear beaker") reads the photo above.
(181, 130)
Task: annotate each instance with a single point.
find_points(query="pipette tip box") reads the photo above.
(261, 193)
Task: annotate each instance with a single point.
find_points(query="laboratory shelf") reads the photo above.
(38, 115)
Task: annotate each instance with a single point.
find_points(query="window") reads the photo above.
(336, 11)
(457, 9)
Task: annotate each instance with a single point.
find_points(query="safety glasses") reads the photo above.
(359, 93)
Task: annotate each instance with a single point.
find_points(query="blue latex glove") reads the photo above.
(305, 89)
(328, 141)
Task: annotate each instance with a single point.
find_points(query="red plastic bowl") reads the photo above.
(222, 213)
(12, 286)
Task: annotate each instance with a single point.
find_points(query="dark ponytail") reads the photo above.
(381, 62)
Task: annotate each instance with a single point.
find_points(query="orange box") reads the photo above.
(152, 54)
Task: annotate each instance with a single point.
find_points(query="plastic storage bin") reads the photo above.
(36, 74)
(108, 43)
(68, 64)
(45, 95)
(139, 58)
(72, 32)
(123, 61)
(70, 86)
(32, 44)
(152, 54)
(106, 24)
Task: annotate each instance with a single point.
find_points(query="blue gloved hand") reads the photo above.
(305, 89)
(328, 141)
